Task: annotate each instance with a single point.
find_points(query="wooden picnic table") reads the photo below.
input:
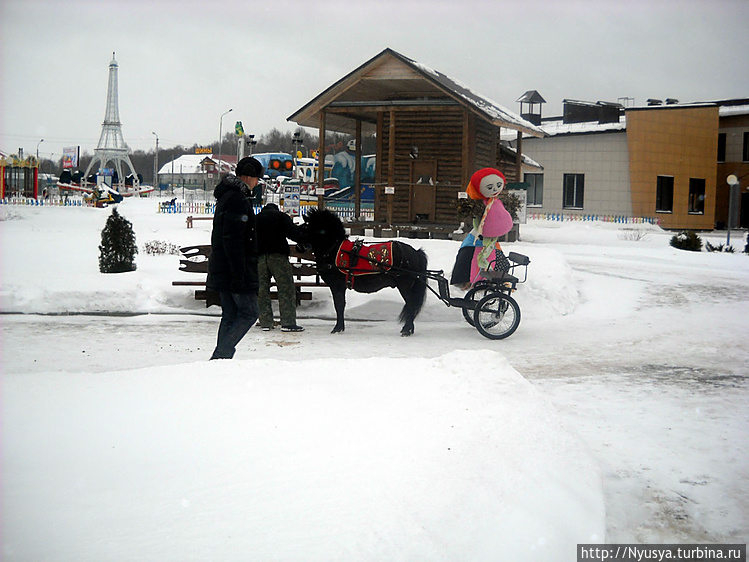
(195, 260)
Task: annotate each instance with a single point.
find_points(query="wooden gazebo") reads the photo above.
(432, 134)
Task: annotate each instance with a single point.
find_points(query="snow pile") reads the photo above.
(453, 458)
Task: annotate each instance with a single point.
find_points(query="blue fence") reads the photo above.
(620, 219)
(187, 208)
(343, 210)
(52, 202)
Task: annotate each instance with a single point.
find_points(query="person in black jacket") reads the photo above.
(273, 229)
(232, 266)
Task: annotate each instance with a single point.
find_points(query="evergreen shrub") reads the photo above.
(719, 248)
(687, 240)
(117, 250)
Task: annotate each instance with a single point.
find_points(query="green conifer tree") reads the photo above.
(117, 250)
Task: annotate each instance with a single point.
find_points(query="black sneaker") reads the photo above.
(266, 328)
(292, 329)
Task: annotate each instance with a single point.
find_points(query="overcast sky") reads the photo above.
(183, 63)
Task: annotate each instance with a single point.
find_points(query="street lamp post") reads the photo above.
(733, 193)
(37, 161)
(156, 162)
(221, 140)
(297, 141)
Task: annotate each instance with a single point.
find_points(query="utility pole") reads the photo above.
(156, 163)
(734, 203)
(221, 141)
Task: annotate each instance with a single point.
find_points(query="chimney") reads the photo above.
(533, 112)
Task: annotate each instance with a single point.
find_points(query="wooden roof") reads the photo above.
(390, 80)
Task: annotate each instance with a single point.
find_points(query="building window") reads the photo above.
(697, 196)
(664, 195)
(574, 189)
(721, 147)
(535, 190)
(745, 151)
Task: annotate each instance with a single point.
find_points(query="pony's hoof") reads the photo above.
(337, 330)
(406, 333)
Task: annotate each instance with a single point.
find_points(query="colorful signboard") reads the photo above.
(70, 156)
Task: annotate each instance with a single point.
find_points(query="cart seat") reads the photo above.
(499, 276)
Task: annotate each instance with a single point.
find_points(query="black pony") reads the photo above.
(324, 231)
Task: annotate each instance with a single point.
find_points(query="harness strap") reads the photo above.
(354, 255)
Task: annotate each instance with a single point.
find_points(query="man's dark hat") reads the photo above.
(249, 166)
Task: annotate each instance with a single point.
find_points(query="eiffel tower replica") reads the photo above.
(112, 147)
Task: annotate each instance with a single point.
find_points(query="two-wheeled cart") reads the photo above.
(488, 305)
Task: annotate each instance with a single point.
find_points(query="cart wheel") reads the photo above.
(475, 294)
(497, 316)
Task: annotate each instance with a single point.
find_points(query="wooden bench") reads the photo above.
(196, 261)
(191, 218)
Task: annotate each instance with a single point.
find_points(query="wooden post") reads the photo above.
(519, 158)
(36, 180)
(321, 164)
(357, 172)
(391, 165)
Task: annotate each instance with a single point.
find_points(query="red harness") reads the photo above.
(354, 258)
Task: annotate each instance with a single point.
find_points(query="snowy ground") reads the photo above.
(617, 412)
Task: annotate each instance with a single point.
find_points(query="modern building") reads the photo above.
(733, 159)
(663, 162)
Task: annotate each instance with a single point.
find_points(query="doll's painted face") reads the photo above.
(491, 185)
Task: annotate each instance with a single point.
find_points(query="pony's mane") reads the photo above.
(326, 220)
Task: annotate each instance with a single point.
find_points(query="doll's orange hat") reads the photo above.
(473, 186)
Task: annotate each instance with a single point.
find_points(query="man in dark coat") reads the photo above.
(273, 229)
(232, 266)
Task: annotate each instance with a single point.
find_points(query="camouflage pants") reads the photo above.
(277, 266)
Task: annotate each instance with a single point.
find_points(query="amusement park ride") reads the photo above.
(104, 182)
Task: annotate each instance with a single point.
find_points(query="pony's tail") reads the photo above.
(419, 288)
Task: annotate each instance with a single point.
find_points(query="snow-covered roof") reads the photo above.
(190, 164)
(185, 164)
(729, 110)
(495, 111)
(561, 128)
(529, 164)
(391, 79)
(557, 126)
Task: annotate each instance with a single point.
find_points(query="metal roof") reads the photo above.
(531, 96)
